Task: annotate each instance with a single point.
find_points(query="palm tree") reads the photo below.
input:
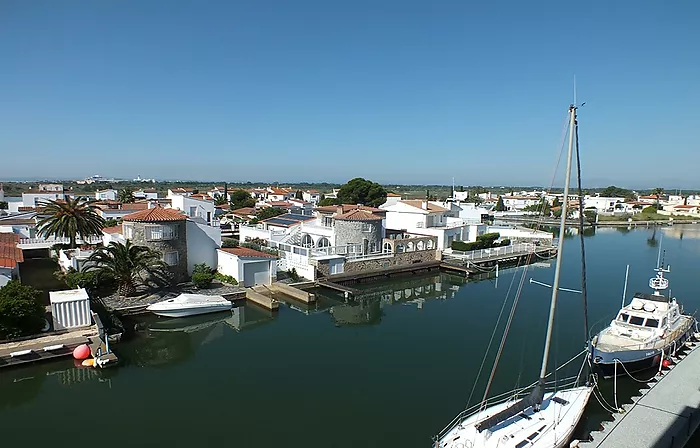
(129, 266)
(70, 218)
(125, 195)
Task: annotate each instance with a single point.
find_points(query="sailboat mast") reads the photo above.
(560, 245)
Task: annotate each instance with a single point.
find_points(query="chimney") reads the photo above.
(424, 205)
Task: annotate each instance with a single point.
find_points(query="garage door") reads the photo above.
(256, 273)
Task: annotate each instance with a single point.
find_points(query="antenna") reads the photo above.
(574, 90)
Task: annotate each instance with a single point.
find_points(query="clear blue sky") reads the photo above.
(398, 91)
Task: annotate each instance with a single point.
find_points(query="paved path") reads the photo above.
(665, 416)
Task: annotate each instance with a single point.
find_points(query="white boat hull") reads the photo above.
(552, 426)
(185, 312)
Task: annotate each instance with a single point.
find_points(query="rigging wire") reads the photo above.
(584, 291)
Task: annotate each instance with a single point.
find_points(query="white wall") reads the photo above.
(202, 242)
(33, 199)
(230, 264)
(13, 204)
(602, 204)
(106, 195)
(401, 216)
(202, 209)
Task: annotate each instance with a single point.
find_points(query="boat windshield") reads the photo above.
(623, 317)
(636, 320)
(652, 323)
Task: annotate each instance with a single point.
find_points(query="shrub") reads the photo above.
(649, 210)
(293, 274)
(202, 275)
(485, 241)
(75, 279)
(505, 242)
(225, 278)
(21, 311)
(229, 242)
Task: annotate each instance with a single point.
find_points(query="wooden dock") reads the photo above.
(52, 346)
(261, 299)
(291, 291)
(476, 261)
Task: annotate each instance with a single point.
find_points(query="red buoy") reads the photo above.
(666, 363)
(81, 352)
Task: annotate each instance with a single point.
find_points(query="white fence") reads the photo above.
(519, 248)
(44, 243)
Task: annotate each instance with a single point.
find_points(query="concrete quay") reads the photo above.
(665, 416)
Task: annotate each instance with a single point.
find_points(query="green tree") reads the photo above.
(650, 210)
(70, 219)
(590, 216)
(299, 195)
(658, 191)
(556, 202)
(202, 275)
(219, 199)
(125, 195)
(229, 242)
(362, 191)
(500, 206)
(460, 188)
(616, 192)
(21, 310)
(129, 266)
(325, 202)
(269, 212)
(240, 199)
(3, 205)
(111, 222)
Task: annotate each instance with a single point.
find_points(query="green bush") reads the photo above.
(649, 210)
(225, 278)
(485, 241)
(229, 242)
(505, 242)
(75, 279)
(21, 311)
(293, 274)
(202, 275)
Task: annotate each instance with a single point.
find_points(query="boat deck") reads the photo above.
(665, 415)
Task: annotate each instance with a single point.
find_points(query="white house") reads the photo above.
(391, 199)
(45, 192)
(219, 191)
(194, 205)
(249, 267)
(146, 193)
(275, 194)
(109, 194)
(180, 191)
(517, 203)
(202, 242)
(684, 210)
(601, 203)
(430, 219)
(460, 195)
(10, 257)
(311, 196)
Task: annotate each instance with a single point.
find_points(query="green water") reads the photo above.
(390, 371)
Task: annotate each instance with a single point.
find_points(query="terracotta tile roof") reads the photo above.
(182, 190)
(156, 214)
(26, 209)
(17, 222)
(245, 252)
(202, 197)
(10, 254)
(113, 229)
(135, 206)
(417, 203)
(685, 206)
(358, 215)
(393, 195)
(245, 211)
(279, 204)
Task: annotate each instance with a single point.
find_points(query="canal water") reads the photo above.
(389, 371)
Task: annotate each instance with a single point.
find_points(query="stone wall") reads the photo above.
(385, 262)
(351, 232)
(178, 244)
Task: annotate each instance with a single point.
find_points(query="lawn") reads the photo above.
(644, 217)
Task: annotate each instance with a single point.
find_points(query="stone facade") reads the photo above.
(366, 233)
(388, 261)
(164, 246)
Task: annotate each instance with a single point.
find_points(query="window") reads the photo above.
(651, 323)
(328, 221)
(157, 233)
(635, 320)
(129, 232)
(623, 317)
(171, 258)
(193, 211)
(366, 227)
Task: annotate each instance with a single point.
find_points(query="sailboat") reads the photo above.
(541, 419)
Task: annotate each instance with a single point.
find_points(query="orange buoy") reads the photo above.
(81, 352)
(666, 363)
(90, 362)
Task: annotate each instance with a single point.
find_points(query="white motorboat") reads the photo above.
(190, 305)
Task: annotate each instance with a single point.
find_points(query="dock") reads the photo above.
(291, 291)
(664, 416)
(260, 299)
(478, 261)
(336, 287)
(349, 278)
(45, 348)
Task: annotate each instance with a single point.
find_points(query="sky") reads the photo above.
(396, 91)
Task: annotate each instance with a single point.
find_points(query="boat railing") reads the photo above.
(504, 397)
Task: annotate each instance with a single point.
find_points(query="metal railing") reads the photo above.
(495, 251)
(89, 240)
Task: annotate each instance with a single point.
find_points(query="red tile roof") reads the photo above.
(113, 229)
(687, 207)
(156, 214)
(245, 211)
(135, 206)
(393, 195)
(245, 252)
(358, 215)
(182, 190)
(417, 203)
(279, 204)
(202, 197)
(10, 254)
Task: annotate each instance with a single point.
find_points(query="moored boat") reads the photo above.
(190, 305)
(652, 327)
